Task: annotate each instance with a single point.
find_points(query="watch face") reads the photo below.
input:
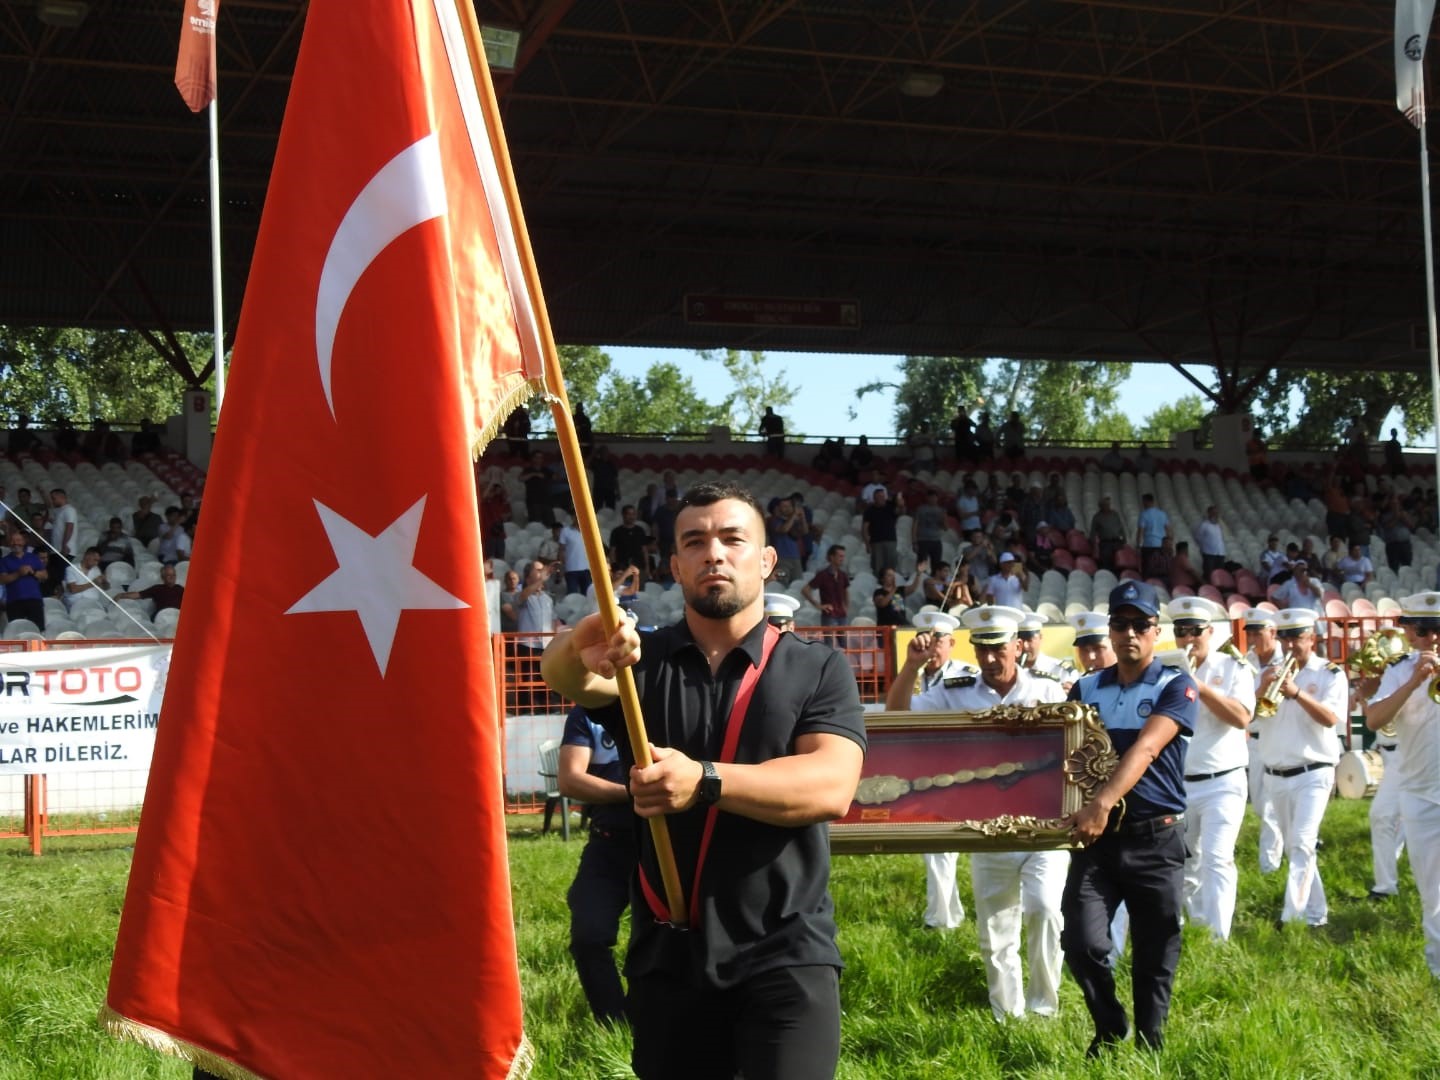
(709, 784)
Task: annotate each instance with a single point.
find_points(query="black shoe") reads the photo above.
(1376, 894)
(1101, 1043)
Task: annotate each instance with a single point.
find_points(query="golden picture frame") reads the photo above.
(1000, 780)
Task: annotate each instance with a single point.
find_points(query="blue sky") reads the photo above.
(827, 384)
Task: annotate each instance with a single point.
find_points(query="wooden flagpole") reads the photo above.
(585, 519)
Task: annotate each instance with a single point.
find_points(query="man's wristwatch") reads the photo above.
(709, 791)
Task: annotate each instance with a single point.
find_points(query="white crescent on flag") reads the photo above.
(1412, 32)
(408, 190)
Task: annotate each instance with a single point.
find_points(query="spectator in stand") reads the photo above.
(83, 578)
(1041, 552)
(494, 513)
(1182, 570)
(877, 529)
(833, 586)
(189, 513)
(1107, 533)
(981, 556)
(538, 478)
(146, 522)
(888, 610)
(1395, 525)
(1330, 561)
(927, 528)
(984, 439)
(1272, 560)
(1257, 453)
(861, 456)
(664, 526)
(1112, 461)
(1394, 454)
(174, 540)
(166, 593)
(1151, 531)
(1356, 568)
(573, 558)
(940, 589)
(1012, 437)
(604, 478)
(1007, 588)
(963, 428)
(630, 542)
(517, 431)
(1144, 461)
(922, 451)
(584, 433)
(772, 427)
(1031, 513)
(785, 531)
(967, 507)
(1210, 538)
(64, 523)
(1362, 520)
(509, 590)
(1337, 504)
(24, 509)
(115, 546)
(22, 572)
(1059, 514)
(1300, 591)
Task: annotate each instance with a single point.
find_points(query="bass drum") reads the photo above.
(1359, 773)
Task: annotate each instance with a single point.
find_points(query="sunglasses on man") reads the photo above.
(1120, 624)
(1189, 631)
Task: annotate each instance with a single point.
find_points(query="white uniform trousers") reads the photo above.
(1213, 813)
(1011, 888)
(1387, 839)
(1422, 836)
(1300, 803)
(1272, 847)
(943, 909)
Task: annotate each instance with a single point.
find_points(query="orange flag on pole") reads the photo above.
(195, 64)
(320, 884)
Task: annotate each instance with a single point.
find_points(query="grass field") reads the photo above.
(1353, 999)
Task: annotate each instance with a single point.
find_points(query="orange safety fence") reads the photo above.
(75, 804)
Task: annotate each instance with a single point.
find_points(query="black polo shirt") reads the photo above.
(764, 895)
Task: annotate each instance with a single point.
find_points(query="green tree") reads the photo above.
(1314, 408)
(52, 374)
(1187, 414)
(1058, 400)
(664, 401)
(758, 385)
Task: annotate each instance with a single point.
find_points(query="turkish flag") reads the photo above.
(320, 886)
(195, 63)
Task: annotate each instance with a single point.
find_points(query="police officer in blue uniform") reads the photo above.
(591, 772)
(1134, 855)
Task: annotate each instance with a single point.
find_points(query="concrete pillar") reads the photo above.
(196, 420)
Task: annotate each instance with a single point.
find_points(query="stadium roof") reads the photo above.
(1205, 181)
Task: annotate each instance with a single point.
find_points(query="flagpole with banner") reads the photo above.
(586, 521)
(1412, 31)
(195, 78)
(320, 884)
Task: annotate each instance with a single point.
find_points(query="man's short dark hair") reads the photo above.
(833, 548)
(58, 491)
(709, 492)
(627, 506)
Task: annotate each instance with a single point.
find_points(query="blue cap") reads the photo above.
(1136, 594)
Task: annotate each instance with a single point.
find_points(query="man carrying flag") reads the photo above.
(293, 908)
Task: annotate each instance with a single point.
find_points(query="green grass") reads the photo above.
(1351, 1000)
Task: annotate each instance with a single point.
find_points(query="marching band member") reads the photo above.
(1030, 635)
(1264, 653)
(1404, 699)
(780, 609)
(1387, 835)
(1092, 641)
(1215, 763)
(930, 650)
(1011, 887)
(1299, 749)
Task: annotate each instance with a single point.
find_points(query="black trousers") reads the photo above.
(1145, 869)
(598, 898)
(780, 1025)
(34, 610)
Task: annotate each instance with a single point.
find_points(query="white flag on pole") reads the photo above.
(1412, 31)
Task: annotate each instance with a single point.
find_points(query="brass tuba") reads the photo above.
(1381, 649)
(1268, 703)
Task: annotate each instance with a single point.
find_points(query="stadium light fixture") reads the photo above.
(66, 14)
(921, 84)
(502, 46)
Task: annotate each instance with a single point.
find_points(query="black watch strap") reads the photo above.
(709, 793)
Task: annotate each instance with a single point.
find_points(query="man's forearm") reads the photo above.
(566, 674)
(800, 789)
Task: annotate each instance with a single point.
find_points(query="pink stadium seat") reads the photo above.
(1130, 575)
(1127, 558)
(1335, 608)
(1266, 605)
(1211, 593)
(1182, 590)
(1086, 563)
(1362, 608)
(1223, 579)
(1063, 560)
(1077, 542)
(1237, 606)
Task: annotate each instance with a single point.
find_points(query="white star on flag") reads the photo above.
(376, 578)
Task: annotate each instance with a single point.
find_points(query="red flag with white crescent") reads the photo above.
(195, 63)
(320, 885)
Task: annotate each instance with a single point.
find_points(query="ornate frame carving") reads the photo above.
(892, 813)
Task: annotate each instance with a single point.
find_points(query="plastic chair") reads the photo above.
(550, 772)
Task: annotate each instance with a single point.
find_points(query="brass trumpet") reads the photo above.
(1235, 654)
(1268, 703)
(1381, 649)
